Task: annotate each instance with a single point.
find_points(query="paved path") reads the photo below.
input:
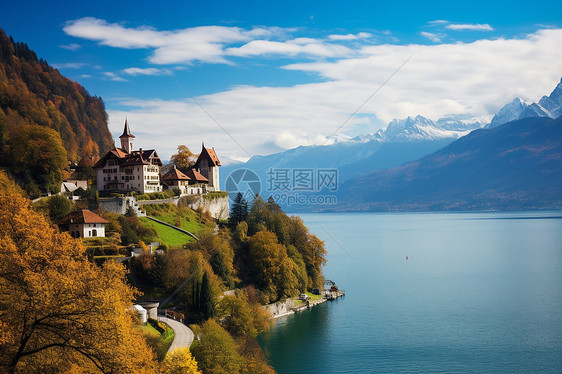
(183, 336)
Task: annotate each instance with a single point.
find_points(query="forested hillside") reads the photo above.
(46, 119)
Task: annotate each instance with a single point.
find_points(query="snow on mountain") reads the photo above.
(420, 128)
(553, 103)
(510, 112)
(548, 106)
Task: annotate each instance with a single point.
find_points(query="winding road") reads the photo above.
(183, 336)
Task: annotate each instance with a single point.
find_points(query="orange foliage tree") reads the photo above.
(59, 312)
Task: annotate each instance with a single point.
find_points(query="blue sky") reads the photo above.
(259, 77)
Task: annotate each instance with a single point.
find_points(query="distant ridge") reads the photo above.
(517, 165)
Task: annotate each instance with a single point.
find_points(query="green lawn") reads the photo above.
(313, 298)
(184, 218)
(169, 236)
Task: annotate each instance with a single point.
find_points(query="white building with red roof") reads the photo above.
(189, 183)
(85, 224)
(124, 169)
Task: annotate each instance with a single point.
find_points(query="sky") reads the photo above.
(255, 77)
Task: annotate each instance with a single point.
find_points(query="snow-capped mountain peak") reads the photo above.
(421, 128)
(548, 106)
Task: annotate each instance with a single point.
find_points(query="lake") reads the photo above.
(431, 292)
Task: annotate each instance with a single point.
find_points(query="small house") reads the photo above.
(85, 224)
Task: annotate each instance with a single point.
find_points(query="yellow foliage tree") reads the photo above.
(179, 361)
(59, 312)
(276, 273)
(184, 159)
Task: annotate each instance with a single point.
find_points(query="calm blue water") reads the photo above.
(479, 293)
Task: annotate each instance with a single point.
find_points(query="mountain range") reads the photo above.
(517, 165)
(548, 106)
(402, 141)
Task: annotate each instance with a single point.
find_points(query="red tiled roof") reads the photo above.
(119, 152)
(209, 154)
(84, 216)
(87, 161)
(196, 176)
(135, 160)
(213, 156)
(175, 174)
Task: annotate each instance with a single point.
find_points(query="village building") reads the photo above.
(208, 165)
(70, 185)
(125, 169)
(85, 224)
(189, 183)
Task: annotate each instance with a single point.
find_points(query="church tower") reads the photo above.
(127, 139)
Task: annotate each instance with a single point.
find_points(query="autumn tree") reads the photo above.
(37, 157)
(276, 275)
(184, 159)
(179, 361)
(59, 207)
(294, 235)
(216, 351)
(241, 317)
(217, 249)
(58, 311)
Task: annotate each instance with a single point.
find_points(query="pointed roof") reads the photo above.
(84, 216)
(126, 131)
(209, 154)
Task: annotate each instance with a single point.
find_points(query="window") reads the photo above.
(94, 232)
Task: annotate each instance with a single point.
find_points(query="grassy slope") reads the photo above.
(169, 236)
(182, 217)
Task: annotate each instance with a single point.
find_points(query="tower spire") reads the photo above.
(127, 138)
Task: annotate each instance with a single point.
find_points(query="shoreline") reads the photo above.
(287, 307)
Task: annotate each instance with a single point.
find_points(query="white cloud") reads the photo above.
(71, 46)
(294, 47)
(210, 44)
(114, 77)
(467, 79)
(438, 22)
(360, 35)
(204, 43)
(434, 37)
(470, 27)
(142, 71)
